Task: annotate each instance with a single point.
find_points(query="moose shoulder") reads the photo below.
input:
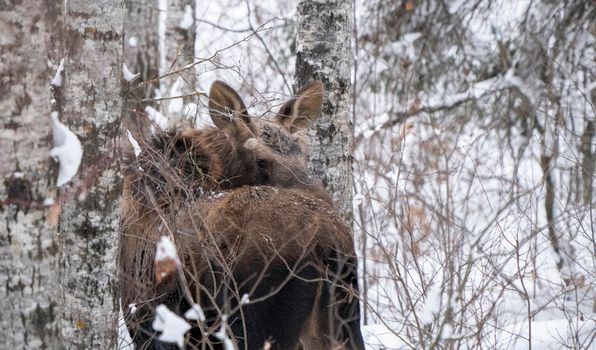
(247, 220)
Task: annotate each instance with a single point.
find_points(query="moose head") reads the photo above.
(240, 150)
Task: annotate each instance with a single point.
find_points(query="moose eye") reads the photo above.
(262, 164)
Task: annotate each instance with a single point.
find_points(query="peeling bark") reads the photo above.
(90, 210)
(28, 247)
(324, 33)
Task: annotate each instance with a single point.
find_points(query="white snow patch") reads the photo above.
(132, 41)
(126, 73)
(156, 117)
(245, 299)
(17, 174)
(134, 143)
(187, 19)
(57, 80)
(132, 308)
(165, 250)
(67, 150)
(48, 201)
(195, 313)
(221, 335)
(171, 326)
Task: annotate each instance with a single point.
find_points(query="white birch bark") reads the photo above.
(28, 246)
(93, 34)
(178, 52)
(324, 30)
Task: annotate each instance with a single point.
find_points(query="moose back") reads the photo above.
(261, 249)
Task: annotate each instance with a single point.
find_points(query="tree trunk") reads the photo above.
(179, 49)
(89, 219)
(324, 33)
(28, 246)
(159, 40)
(141, 56)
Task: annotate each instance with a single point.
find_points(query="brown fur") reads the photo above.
(239, 227)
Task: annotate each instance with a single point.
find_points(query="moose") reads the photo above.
(261, 249)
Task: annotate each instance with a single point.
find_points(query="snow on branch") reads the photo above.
(127, 74)
(57, 80)
(67, 150)
(166, 259)
(171, 326)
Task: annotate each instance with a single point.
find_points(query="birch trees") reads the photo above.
(58, 281)
(29, 249)
(324, 32)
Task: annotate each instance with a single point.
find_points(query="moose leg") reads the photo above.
(280, 317)
(340, 304)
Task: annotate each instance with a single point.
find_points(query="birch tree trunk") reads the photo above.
(141, 56)
(89, 221)
(29, 316)
(323, 40)
(159, 40)
(177, 52)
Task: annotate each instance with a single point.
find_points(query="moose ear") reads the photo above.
(226, 108)
(302, 110)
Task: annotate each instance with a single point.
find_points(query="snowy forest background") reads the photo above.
(474, 157)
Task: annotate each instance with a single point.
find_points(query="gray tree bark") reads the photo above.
(91, 95)
(159, 43)
(141, 56)
(29, 316)
(324, 34)
(178, 52)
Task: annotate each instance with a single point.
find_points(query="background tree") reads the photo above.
(323, 52)
(29, 245)
(91, 104)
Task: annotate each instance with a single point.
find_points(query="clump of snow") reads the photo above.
(67, 150)
(165, 250)
(127, 74)
(195, 313)
(171, 326)
(156, 117)
(134, 143)
(132, 41)
(132, 308)
(17, 174)
(245, 299)
(187, 19)
(48, 201)
(57, 80)
(222, 335)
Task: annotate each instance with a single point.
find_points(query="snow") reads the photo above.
(195, 313)
(128, 76)
(134, 143)
(222, 335)
(57, 80)
(245, 299)
(67, 150)
(165, 250)
(172, 326)
(187, 19)
(156, 117)
(48, 201)
(132, 41)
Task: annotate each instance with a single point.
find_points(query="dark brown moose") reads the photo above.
(261, 249)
